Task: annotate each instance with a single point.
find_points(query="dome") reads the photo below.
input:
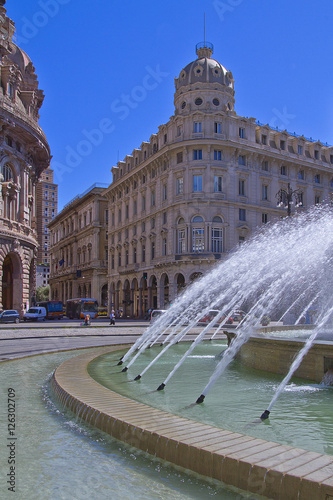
(204, 84)
(204, 70)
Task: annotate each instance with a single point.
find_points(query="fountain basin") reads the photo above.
(275, 354)
(262, 467)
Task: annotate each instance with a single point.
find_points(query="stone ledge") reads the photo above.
(290, 473)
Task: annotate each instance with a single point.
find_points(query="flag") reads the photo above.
(61, 262)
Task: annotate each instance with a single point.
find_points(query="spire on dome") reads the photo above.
(204, 49)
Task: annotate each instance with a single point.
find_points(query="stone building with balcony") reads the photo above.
(24, 154)
(200, 186)
(78, 249)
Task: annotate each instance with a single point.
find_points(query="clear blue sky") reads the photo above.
(91, 55)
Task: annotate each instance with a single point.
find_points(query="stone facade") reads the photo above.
(24, 154)
(201, 186)
(79, 250)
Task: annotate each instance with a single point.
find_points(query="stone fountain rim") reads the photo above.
(252, 464)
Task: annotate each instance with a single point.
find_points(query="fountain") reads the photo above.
(282, 273)
(283, 270)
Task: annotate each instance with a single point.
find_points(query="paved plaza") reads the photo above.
(28, 339)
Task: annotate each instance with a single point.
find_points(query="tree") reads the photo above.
(42, 293)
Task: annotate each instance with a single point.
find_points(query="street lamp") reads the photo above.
(286, 198)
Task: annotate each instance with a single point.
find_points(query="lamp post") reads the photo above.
(286, 198)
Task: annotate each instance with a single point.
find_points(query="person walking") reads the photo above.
(112, 318)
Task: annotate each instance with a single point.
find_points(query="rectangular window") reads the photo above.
(164, 246)
(135, 208)
(264, 192)
(197, 128)
(197, 154)
(317, 200)
(283, 170)
(300, 175)
(119, 215)
(134, 255)
(242, 214)
(119, 259)
(197, 183)
(165, 138)
(241, 132)
(264, 218)
(180, 157)
(106, 216)
(126, 211)
(217, 155)
(164, 217)
(264, 165)
(217, 240)
(112, 261)
(217, 184)
(241, 187)
(241, 240)
(112, 219)
(317, 178)
(217, 128)
(331, 158)
(143, 226)
(152, 223)
(179, 130)
(152, 199)
(143, 203)
(316, 154)
(181, 241)
(300, 150)
(164, 192)
(264, 139)
(283, 145)
(198, 240)
(179, 185)
(241, 160)
(143, 253)
(152, 253)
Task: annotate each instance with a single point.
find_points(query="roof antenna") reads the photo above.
(204, 29)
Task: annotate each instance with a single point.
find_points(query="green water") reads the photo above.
(58, 458)
(302, 416)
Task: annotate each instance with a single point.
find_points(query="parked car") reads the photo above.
(35, 313)
(9, 316)
(210, 315)
(156, 313)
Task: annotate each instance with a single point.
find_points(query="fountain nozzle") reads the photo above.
(124, 369)
(161, 387)
(137, 377)
(120, 363)
(200, 399)
(265, 415)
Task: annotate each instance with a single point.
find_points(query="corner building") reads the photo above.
(182, 201)
(24, 154)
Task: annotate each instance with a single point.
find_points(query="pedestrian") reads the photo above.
(87, 320)
(112, 318)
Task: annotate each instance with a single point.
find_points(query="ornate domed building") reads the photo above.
(200, 187)
(24, 154)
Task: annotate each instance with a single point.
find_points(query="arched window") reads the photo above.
(198, 234)
(7, 173)
(217, 235)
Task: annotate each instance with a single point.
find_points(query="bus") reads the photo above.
(54, 308)
(79, 308)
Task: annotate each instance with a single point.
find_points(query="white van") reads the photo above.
(35, 313)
